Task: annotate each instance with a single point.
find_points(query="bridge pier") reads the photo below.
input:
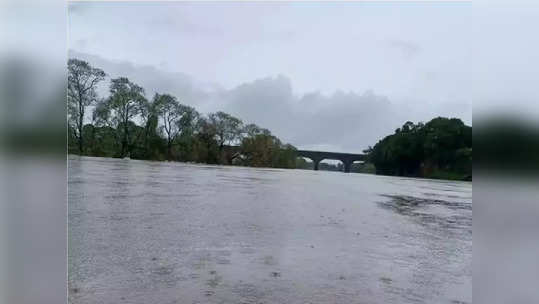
(317, 156)
(316, 162)
(347, 165)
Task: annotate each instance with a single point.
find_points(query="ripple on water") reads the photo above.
(147, 232)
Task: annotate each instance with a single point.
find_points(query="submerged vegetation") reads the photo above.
(127, 124)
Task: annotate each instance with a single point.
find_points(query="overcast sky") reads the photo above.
(331, 76)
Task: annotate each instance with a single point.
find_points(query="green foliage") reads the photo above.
(331, 167)
(82, 81)
(261, 149)
(440, 148)
(302, 163)
(126, 102)
(127, 124)
(228, 129)
(175, 120)
(363, 168)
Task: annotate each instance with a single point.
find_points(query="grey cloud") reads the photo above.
(181, 24)
(340, 121)
(82, 43)
(76, 8)
(152, 79)
(407, 48)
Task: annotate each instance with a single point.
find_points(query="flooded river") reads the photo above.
(158, 232)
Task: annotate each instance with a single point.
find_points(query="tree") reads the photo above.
(152, 143)
(103, 137)
(251, 130)
(174, 118)
(126, 101)
(439, 148)
(82, 81)
(261, 149)
(207, 146)
(101, 114)
(228, 128)
(185, 140)
(126, 124)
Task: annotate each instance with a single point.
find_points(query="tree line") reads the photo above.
(441, 148)
(127, 124)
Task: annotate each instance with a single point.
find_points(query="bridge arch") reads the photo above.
(317, 156)
(330, 164)
(319, 164)
(233, 152)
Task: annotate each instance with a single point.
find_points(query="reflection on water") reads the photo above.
(156, 232)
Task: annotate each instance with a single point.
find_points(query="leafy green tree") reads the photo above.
(82, 82)
(169, 111)
(251, 130)
(261, 149)
(301, 163)
(287, 156)
(185, 141)
(153, 144)
(206, 143)
(126, 124)
(126, 101)
(228, 129)
(439, 148)
(175, 119)
(103, 137)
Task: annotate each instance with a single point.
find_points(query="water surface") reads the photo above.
(158, 232)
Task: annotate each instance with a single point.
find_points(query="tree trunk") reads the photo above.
(125, 142)
(92, 142)
(81, 121)
(80, 142)
(169, 149)
(125, 147)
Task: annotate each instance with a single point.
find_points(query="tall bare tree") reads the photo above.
(81, 93)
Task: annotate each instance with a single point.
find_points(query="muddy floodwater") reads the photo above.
(158, 232)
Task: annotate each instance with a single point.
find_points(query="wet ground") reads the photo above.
(157, 232)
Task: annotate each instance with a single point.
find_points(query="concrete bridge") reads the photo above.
(231, 152)
(346, 158)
